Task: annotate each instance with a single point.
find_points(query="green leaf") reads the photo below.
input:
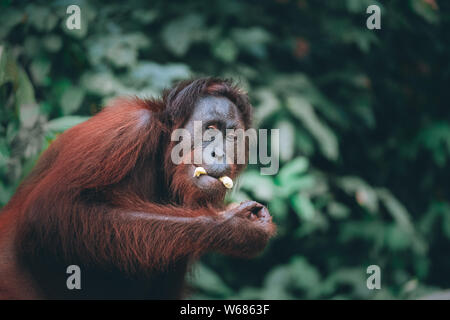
(25, 102)
(304, 111)
(40, 69)
(64, 123)
(278, 281)
(29, 114)
(71, 99)
(121, 50)
(303, 207)
(102, 83)
(425, 10)
(225, 50)
(207, 280)
(338, 210)
(158, 76)
(292, 177)
(287, 139)
(304, 274)
(179, 34)
(397, 210)
(436, 139)
(304, 142)
(397, 238)
(402, 218)
(261, 186)
(41, 17)
(282, 280)
(278, 207)
(253, 40)
(52, 42)
(145, 16)
(292, 169)
(267, 106)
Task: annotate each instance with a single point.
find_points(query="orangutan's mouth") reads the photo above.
(225, 180)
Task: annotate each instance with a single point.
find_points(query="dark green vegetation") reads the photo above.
(365, 126)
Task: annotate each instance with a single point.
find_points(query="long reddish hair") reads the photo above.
(115, 160)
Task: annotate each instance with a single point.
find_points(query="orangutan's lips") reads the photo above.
(226, 181)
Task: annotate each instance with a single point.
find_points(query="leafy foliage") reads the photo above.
(363, 114)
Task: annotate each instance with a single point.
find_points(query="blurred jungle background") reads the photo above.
(364, 119)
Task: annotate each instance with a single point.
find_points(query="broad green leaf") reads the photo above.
(397, 238)
(304, 142)
(278, 207)
(179, 34)
(267, 106)
(326, 139)
(64, 123)
(41, 17)
(304, 274)
(71, 99)
(121, 50)
(396, 209)
(158, 76)
(338, 210)
(206, 279)
(225, 50)
(282, 280)
(253, 40)
(29, 114)
(303, 207)
(261, 186)
(287, 139)
(292, 177)
(102, 83)
(52, 42)
(297, 184)
(426, 10)
(292, 169)
(145, 16)
(402, 218)
(40, 69)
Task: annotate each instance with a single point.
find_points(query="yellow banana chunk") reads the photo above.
(227, 182)
(199, 171)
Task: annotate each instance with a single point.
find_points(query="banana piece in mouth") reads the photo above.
(226, 181)
(199, 171)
